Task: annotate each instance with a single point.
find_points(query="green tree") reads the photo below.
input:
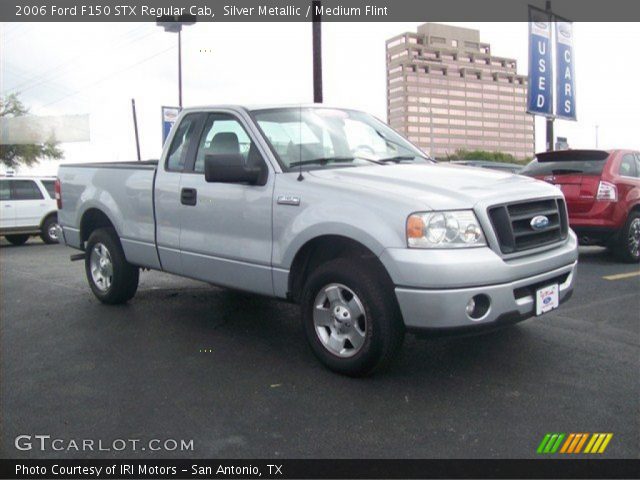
(13, 156)
(485, 155)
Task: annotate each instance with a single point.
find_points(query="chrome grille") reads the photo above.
(512, 224)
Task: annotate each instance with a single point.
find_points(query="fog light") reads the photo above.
(478, 306)
(471, 305)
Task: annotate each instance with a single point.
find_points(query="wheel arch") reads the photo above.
(52, 213)
(321, 249)
(92, 219)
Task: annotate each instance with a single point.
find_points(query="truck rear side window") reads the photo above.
(177, 154)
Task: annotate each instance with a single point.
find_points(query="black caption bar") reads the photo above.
(303, 10)
(320, 469)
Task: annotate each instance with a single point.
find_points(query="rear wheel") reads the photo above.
(49, 232)
(351, 317)
(17, 239)
(628, 245)
(112, 279)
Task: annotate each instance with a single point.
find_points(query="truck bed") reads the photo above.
(124, 192)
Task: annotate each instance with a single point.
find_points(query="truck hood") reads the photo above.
(440, 186)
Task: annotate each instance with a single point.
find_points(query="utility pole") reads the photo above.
(597, 126)
(174, 24)
(317, 51)
(180, 68)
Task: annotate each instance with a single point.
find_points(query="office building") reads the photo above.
(446, 91)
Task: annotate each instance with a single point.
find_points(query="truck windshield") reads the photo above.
(316, 137)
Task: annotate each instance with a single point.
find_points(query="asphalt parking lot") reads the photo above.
(232, 372)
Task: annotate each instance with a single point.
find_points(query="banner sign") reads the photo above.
(540, 65)
(565, 80)
(169, 116)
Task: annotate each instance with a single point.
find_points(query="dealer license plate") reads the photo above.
(546, 299)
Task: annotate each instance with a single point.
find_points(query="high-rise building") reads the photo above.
(447, 92)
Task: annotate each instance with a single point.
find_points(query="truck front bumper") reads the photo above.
(434, 287)
(507, 302)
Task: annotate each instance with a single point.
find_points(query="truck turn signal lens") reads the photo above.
(415, 227)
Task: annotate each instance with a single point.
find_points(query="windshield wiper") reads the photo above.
(397, 158)
(322, 161)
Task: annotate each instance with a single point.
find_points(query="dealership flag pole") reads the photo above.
(549, 119)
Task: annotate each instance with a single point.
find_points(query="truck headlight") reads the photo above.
(454, 229)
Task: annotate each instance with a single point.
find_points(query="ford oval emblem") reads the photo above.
(539, 222)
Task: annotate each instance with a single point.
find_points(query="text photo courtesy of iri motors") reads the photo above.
(319, 239)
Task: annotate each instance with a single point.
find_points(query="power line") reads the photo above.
(62, 68)
(110, 76)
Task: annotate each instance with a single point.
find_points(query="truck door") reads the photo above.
(167, 201)
(7, 206)
(225, 235)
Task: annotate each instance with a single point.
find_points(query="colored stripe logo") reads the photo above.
(573, 443)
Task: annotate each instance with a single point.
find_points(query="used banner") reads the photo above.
(540, 65)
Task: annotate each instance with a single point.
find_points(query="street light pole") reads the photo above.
(174, 24)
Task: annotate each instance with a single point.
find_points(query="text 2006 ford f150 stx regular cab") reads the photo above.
(331, 209)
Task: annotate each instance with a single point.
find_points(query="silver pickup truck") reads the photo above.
(331, 209)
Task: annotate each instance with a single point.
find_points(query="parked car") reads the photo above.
(501, 166)
(330, 209)
(602, 189)
(27, 208)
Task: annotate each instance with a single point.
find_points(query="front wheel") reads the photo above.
(351, 317)
(628, 247)
(112, 279)
(49, 232)
(17, 239)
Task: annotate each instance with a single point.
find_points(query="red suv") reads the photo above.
(602, 189)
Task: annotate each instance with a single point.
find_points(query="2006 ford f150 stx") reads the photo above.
(331, 209)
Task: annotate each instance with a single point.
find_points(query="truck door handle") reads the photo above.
(189, 196)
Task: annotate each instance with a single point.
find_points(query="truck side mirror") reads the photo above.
(230, 168)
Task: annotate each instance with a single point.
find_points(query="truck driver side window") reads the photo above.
(222, 134)
(177, 154)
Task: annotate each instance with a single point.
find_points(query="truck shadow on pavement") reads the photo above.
(252, 332)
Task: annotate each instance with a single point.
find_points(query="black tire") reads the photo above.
(17, 239)
(627, 247)
(384, 330)
(46, 233)
(124, 276)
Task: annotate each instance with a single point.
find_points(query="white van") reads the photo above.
(28, 207)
